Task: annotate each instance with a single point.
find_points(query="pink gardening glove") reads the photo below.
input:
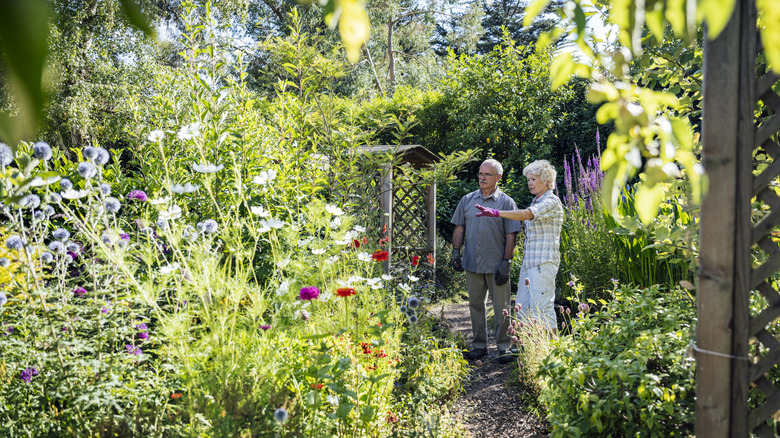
(484, 211)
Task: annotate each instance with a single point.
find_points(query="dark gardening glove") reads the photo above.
(502, 274)
(456, 262)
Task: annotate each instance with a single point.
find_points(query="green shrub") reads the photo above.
(623, 371)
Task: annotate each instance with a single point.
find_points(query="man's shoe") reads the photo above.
(506, 356)
(476, 353)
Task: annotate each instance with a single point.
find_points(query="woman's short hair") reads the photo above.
(543, 170)
(496, 165)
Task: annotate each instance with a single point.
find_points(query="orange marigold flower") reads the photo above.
(431, 260)
(176, 395)
(380, 256)
(345, 291)
(415, 260)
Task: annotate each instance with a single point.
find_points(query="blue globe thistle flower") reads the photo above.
(38, 216)
(48, 210)
(68, 258)
(403, 309)
(3, 299)
(281, 415)
(122, 244)
(413, 319)
(42, 151)
(65, 184)
(107, 239)
(6, 155)
(73, 247)
(162, 224)
(30, 201)
(112, 204)
(149, 231)
(54, 198)
(102, 157)
(210, 226)
(413, 302)
(105, 188)
(86, 170)
(4, 262)
(57, 247)
(62, 234)
(89, 153)
(190, 233)
(47, 257)
(14, 243)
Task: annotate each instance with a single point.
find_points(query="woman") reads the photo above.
(543, 221)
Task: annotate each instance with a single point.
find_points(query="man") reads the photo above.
(489, 247)
(541, 252)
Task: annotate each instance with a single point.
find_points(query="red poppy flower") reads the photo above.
(345, 291)
(380, 256)
(356, 243)
(415, 260)
(317, 385)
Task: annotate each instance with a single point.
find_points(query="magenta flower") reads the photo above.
(265, 327)
(143, 336)
(79, 292)
(137, 194)
(309, 293)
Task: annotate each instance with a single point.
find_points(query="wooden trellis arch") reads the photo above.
(409, 210)
(737, 352)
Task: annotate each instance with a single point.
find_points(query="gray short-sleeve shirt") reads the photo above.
(485, 237)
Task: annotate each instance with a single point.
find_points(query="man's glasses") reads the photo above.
(486, 175)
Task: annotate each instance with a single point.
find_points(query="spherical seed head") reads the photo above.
(42, 151)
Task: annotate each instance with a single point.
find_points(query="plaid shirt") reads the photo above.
(543, 232)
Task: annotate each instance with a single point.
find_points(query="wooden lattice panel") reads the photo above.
(410, 217)
(764, 355)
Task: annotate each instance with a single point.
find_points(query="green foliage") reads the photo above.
(623, 371)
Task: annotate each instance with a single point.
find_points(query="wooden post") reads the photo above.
(431, 211)
(717, 232)
(386, 203)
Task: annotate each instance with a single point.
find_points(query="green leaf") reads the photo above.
(136, 17)
(716, 13)
(561, 69)
(769, 13)
(647, 200)
(533, 10)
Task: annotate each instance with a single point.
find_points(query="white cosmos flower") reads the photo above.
(263, 228)
(283, 263)
(156, 135)
(325, 296)
(186, 188)
(364, 256)
(169, 268)
(74, 194)
(207, 167)
(272, 223)
(283, 288)
(405, 287)
(412, 278)
(264, 177)
(342, 242)
(336, 223)
(158, 201)
(260, 211)
(387, 277)
(359, 229)
(376, 286)
(373, 281)
(318, 251)
(174, 212)
(334, 210)
(189, 131)
(354, 279)
(332, 399)
(331, 260)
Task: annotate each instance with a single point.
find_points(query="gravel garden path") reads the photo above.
(491, 405)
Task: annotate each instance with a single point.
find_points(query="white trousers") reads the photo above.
(537, 298)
